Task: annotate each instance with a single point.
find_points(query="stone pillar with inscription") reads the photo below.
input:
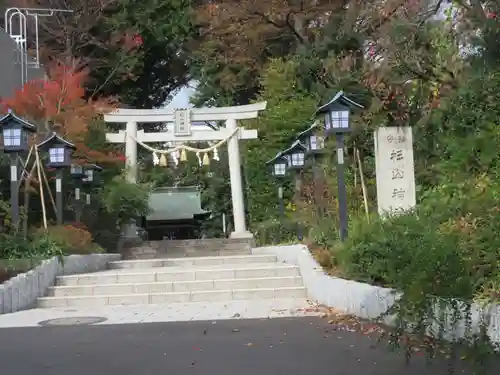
(395, 169)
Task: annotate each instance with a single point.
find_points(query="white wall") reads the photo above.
(22, 291)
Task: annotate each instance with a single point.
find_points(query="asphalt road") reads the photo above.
(295, 346)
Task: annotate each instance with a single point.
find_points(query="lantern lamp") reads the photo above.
(279, 165)
(313, 139)
(76, 171)
(90, 174)
(337, 113)
(60, 151)
(296, 155)
(15, 133)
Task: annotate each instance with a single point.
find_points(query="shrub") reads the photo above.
(442, 257)
(125, 200)
(14, 247)
(408, 253)
(275, 232)
(453, 233)
(71, 239)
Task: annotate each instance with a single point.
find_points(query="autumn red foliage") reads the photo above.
(58, 103)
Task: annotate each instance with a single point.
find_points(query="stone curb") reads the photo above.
(360, 299)
(22, 291)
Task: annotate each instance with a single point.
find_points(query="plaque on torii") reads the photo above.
(182, 122)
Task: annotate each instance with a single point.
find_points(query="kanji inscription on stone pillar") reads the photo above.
(395, 169)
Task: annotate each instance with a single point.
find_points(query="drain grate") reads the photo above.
(75, 321)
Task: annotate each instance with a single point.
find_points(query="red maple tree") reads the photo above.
(58, 104)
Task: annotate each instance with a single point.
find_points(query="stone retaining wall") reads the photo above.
(189, 248)
(359, 299)
(22, 291)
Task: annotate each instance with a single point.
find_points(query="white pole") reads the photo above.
(130, 230)
(233, 150)
(131, 151)
(224, 229)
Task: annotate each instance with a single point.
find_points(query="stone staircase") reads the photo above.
(188, 248)
(178, 279)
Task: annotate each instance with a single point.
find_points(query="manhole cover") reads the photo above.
(76, 321)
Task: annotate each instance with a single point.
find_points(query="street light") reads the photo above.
(15, 133)
(90, 177)
(60, 157)
(279, 165)
(337, 113)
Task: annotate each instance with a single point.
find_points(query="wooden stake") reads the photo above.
(27, 186)
(25, 165)
(42, 198)
(363, 184)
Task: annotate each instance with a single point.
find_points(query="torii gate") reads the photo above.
(183, 133)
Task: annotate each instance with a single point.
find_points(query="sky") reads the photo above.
(181, 99)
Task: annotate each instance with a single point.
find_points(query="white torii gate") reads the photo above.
(185, 133)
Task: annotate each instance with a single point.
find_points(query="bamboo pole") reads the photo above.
(25, 165)
(27, 186)
(42, 197)
(363, 185)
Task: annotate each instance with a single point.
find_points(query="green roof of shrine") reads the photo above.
(175, 203)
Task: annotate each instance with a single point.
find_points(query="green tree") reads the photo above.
(290, 110)
(135, 50)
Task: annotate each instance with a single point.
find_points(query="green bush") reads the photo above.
(409, 253)
(14, 247)
(324, 232)
(448, 246)
(125, 200)
(442, 257)
(272, 232)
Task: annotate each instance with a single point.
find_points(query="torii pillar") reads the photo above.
(184, 133)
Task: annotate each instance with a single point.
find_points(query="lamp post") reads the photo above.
(15, 133)
(296, 156)
(60, 156)
(279, 165)
(78, 174)
(336, 117)
(90, 177)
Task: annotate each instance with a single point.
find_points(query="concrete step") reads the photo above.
(169, 274)
(173, 297)
(189, 262)
(176, 286)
